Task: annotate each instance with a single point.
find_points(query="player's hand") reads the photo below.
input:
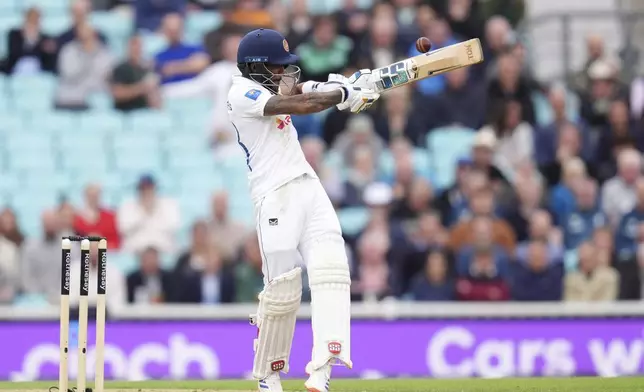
(365, 78)
(358, 99)
(338, 78)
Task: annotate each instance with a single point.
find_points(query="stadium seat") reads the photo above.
(87, 140)
(101, 102)
(31, 301)
(446, 146)
(353, 219)
(42, 160)
(48, 7)
(53, 24)
(79, 159)
(152, 44)
(43, 84)
(27, 142)
(11, 123)
(115, 25)
(187, 160)
(9, 182)
(50, 121)
(185, 106)
(102, 121)
(200, 23)
(190, 143)
(38, 181)
(149, 122)
(142, 160)
(124, 261)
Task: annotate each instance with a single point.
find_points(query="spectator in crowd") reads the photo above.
(483, 268)
(427, 235)
(529, 200)
(227, 233)
(603, 87)
(194, 257)
(452, 200)
(637, 100)
(352, 20)
(541, 230)
(418, 199)
(433, 284)
(561, 198)
(579, 225)
(618, 194)
(362, 172)
(212, 284)
(150, 283)
(539, 277)
(93, 217)
(483, 156)
(150, 13)
(213, 83)
(371, 278)
(592, 281)
(79, 10)
(249, 279)
(9, 227)
(179, 61)
(148, 220)
(84, 65)
(325, 52)
(463, 16)
(29, 50)
(620, 127)
(627, 234)
(66, 213)
(509, 85)
(461, 104)
(313, 149)
(514, 137)
(404, 172)
(9, 269)
(482, 206)
(379, 48)
(358, 132)
(115, 281)
(595, 50)
(38, 274)
(498, 36)
(133, 84)
(400, 119)
(249, 13)
(604, 240)
(299, 24)
(569, 146)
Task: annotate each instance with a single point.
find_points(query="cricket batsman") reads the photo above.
(293, 212)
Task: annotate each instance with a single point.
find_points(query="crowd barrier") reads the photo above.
(390, 339)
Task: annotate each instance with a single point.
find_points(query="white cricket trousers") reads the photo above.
(297, 217)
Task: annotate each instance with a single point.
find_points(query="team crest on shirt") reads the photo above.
(282, 122)
(253, 94)
(285, 44)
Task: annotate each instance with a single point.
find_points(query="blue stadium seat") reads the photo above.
(152, 44)
(39, 181)
(142, 160)
(32, 301)
(190, 160)
(49, 121)
(92, 140)
(199, 181)
(447, 145)
(42, 160)
(48, 7)
(28, 142)
(125, 262)
(185, 106)
(115, 25)
(84, 159)
(109, 180)
(353, 219)
(43, 84)
(543, 110)
(11, 123)
(9, 182)
(53, 24)
(149, 122)
(102, 121)
(102, 102)
(189, 143)
(202, 22)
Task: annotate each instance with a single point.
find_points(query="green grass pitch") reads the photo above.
(581, 384)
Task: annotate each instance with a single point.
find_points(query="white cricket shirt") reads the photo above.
(273, 153)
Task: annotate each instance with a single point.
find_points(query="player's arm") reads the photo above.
(306, 103)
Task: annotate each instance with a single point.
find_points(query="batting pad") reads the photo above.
(330, 284)
(278, 305)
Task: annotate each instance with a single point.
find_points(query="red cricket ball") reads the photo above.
(423, 44)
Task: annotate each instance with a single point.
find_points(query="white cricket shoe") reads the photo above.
(271, 383)
(319, 379)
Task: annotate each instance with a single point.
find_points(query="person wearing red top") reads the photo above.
(93, 219)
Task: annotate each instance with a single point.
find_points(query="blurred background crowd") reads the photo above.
(483, 184)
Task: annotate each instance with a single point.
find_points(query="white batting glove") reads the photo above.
(358, 99)
(338, 78)
(365, 78)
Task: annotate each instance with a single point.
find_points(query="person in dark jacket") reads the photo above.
(150, 283)
(539, 277)
(29, 49)
(433, 284)
(214, 283)
(462, 103)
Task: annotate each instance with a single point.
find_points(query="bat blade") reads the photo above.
(449, 58)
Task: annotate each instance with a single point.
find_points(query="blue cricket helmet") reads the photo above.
(265, 46)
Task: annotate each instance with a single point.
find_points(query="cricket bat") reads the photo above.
(426, 65)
